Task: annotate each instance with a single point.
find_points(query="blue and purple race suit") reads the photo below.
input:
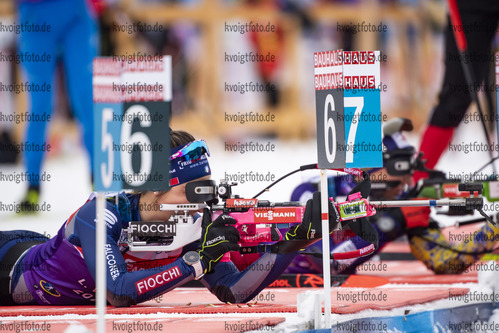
(61, 271)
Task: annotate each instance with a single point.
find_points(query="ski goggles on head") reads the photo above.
(399, 162)
(191, 151)
(189, 162)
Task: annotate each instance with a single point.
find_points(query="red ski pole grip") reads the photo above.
(457, 25)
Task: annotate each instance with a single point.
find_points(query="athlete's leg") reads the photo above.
(80, 48)
(39, 76)
(13, 244)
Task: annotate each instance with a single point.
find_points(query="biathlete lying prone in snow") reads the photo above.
(61, 270)
(427, 242)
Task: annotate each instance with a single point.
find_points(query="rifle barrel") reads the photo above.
(419, 203)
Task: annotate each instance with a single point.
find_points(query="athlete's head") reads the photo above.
(398, 161)
(188, 162)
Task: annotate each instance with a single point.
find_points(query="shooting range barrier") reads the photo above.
(404, 283)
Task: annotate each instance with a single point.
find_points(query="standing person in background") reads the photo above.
(479, 20)
(71, 36)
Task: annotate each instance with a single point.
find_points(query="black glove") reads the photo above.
(217, 238)
(311, 225)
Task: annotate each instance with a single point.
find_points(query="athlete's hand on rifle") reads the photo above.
(217, 238)
(311, 225)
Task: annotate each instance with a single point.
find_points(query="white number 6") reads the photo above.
(136, 138)
(329, 125)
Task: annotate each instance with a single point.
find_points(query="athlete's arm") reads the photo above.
(230, 285)
(125, 288)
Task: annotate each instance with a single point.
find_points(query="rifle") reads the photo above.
(260, 222)
(438, 185)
